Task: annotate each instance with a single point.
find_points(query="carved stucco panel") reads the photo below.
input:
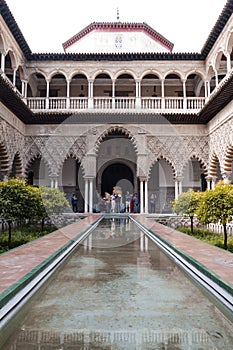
(12, 140)
(177, 150)
(55, 149)
(220, 140)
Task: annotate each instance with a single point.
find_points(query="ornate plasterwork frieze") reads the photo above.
(178, 150)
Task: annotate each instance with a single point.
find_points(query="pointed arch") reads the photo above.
(228, 159)
(17, 166)
(116, 130)
(4, 161)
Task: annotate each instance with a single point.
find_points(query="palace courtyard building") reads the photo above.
(117, 108)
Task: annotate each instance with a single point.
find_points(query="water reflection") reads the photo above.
(119, 291)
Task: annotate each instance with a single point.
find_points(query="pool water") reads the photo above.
(118, 290)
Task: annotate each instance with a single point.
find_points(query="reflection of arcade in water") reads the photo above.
(119, 290)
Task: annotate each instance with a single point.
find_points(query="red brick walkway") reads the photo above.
(17, 263)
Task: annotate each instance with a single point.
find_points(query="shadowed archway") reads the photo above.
(117, 174)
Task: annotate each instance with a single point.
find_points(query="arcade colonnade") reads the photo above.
(153, 158)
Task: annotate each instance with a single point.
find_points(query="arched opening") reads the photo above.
(117, 174)
(79, 86)
(161, 185)
(72, 181)
(194, 176)
(116, 163)
(150, 86)
(37, 173)
(125, 86)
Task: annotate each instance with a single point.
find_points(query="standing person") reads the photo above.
(107, 202)
(135, 203)
(152, 202)
(127, 202)
(74, 203)
(113, 202)
(131, 204)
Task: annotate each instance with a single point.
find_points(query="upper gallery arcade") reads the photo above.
(117, 107)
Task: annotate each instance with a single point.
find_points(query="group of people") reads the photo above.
(115, 203)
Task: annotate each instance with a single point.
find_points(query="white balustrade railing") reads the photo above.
(171, 104)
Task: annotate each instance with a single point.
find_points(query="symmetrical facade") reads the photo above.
(117, 108)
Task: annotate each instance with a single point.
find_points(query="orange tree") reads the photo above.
(217, 206)
(18, 202)
(187, 204)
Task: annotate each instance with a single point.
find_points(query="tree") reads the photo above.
(18, 202)
(217, 206)
(187, 204)
(54, 202)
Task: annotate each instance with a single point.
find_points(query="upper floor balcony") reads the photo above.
(125, 93)
(155, 104)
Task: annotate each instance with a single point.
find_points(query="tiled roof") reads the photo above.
(13, 26)
(120, 26)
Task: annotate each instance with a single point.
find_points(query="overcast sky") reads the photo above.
(46, 24)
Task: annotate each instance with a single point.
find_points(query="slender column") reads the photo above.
(213, 181)
(68, 94)
(176, 189)
(90, 195)
(47, 95)
(162, 92)
(146, 197)
(208, 181)
(90, 94)
(216, 77)
(3, 62)
(180, 187)
(141, 197)
(228, 62)
(205, 87)
(208, 88)
(25, 88)
(138, 94)
(113, 94)
(184, 94)
(86, 197)
(14, 76)
(56, 183)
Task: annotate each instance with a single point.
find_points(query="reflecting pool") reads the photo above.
(118, 290)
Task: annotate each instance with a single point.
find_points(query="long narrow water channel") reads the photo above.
(118, 290)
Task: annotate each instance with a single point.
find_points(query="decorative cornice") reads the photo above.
(116, 27)
(13, 26)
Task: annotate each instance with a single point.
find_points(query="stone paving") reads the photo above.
(17, 263)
